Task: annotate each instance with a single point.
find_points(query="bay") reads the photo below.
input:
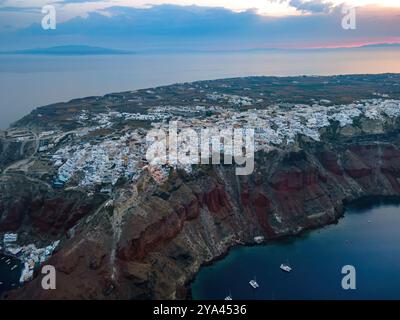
(366, 238)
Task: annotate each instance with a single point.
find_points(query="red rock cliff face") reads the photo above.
(169, 221)
(156, 238)
(36, 208)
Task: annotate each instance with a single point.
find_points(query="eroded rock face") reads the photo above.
(156, 238)
(39, 210)
(12, 151)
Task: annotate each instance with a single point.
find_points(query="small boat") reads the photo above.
(285, 267)
(259, 239)
(15, 266)
(254, 284)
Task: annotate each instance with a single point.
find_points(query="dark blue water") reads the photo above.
(367, 237)
(9, 279)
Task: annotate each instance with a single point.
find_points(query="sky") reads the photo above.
(198, 24)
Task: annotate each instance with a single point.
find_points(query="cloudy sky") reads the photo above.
(198, 24)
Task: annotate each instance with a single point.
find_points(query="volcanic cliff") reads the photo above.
(149, 242)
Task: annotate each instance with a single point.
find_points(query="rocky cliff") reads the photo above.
(37, 211)
(12, 151)
(152, 239)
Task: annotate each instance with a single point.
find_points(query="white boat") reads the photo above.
(259, 239)
(228, 298)
(285, 267)
(254, 284)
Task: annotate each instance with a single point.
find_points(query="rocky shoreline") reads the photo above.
(372, 200)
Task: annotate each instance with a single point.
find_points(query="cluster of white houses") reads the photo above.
(30, 256)
(101, 163)
(105, 162)
(231, 99)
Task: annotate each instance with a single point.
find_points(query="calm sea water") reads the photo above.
(9, 279)
(27, 82)
(367, 238)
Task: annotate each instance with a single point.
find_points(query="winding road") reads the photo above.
(20, 163)
(25, 161)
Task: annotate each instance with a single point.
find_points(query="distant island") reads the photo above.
(70, 50)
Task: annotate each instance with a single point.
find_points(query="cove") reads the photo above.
(9, 276)
(367, 237)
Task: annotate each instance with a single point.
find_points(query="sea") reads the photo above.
(9, 274)
(30, 81)
(366, 238)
